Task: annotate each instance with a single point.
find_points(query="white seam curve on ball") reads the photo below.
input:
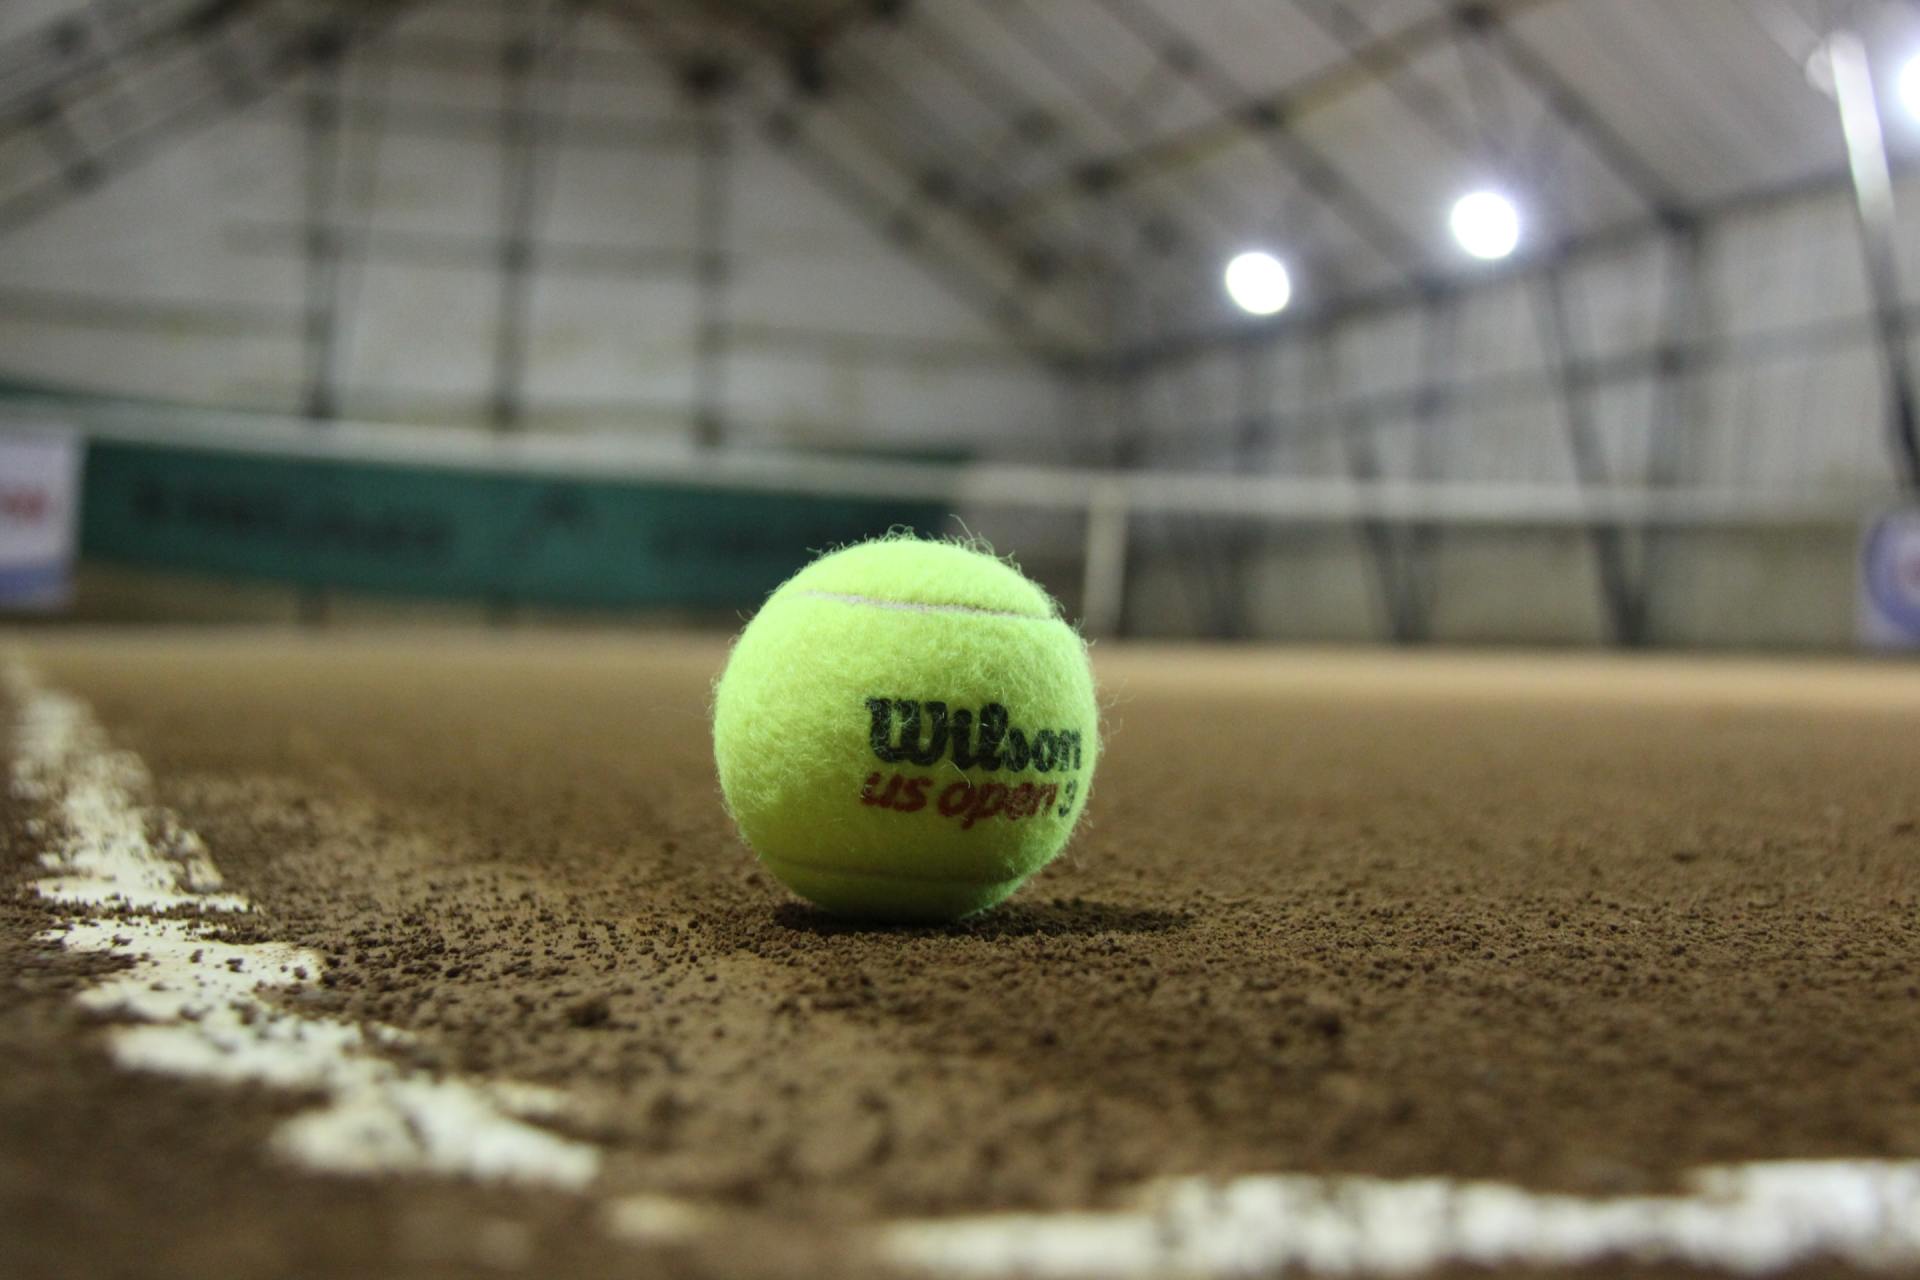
(912, 606)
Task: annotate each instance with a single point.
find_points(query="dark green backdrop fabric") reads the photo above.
(451, 534)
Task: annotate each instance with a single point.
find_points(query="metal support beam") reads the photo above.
(1610, 239)
(1619, 587)
(97, 88)
(323, 137)
(1363, 46)
(1184, 147)
(526, 154)
(1679, 360)
(1254, 415)
(586, 131)
(1111, 394)
(1000, 94)
(1212, 548)
(1205, 198)
(1103, 584)
(1113, 521)
(1379, 537)
(1872, 181)
(525, 151)
(515, 263)
(1420, 558)
(1676, 398)
(90, 44)
(77, 165)
(1254, 391)
(1491, 392)
(227, 66)
(714, 275)
(903, 217)
(1580, 117)
(858, 194)
(1271, 130)
(475, 251)
(1206, 584)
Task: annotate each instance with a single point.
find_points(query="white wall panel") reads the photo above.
(185, 277)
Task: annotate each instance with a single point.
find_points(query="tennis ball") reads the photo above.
(906, 730)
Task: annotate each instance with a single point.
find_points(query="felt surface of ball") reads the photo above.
(906, 730)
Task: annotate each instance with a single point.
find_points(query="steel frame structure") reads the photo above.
(1042, 229)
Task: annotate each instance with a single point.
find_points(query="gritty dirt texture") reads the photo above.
(1574, 924)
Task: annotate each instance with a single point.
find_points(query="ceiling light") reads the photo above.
(1258, 283)
(1486, 224)
(1907, 85)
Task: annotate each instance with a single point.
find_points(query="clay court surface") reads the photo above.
(1574, 926)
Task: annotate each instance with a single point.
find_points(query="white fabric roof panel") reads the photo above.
(1016, 115)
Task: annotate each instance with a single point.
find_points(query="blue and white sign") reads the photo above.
(39, 517)
(1889, 605)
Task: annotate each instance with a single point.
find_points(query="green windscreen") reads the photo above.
(449, 533)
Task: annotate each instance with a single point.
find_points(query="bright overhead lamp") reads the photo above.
(1486, 225)
(1258, 283)
(1906, 85)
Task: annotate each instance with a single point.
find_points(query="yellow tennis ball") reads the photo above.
(906, 730)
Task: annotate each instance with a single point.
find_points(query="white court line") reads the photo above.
(201, 1007)
(1751, 1219)
(105, 852)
